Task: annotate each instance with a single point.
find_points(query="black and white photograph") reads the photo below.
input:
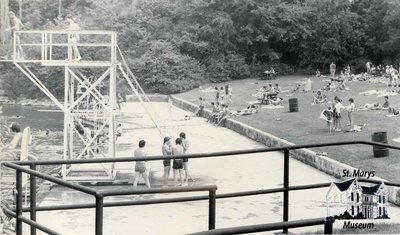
(199, 117)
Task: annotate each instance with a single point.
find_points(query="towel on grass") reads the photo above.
(271, 106)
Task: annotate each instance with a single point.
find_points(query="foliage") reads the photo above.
(225, 68)
(165, 70)
(183, 43)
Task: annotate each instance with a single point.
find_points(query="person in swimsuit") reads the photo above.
(140, 166)
(177, 164)
(118, 131)
(332, 69)
(185, 145)
(200, 110)
(74, 38)
(166, 151)
(350, 112)
(17, 25)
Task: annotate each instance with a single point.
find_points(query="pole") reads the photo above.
(211, 209)
(33, 198)
(99, 215)
(286, 187)
(59, 8)
(18, 227)
(328, 226)
(66, 152)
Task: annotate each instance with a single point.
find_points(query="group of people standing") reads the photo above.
(332, 67)
(180, 166)
(333, 116)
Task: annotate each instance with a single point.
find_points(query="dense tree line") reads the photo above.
(174, 45)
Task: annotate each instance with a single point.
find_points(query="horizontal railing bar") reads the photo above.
(388, 183)
(31, 222)
(193, 198)
(80, 32)
(66, 44)
(249, 193)
(71, 185)
(120, 203)
(179, 199)
(310, 186)
(10, 212)
(202, 155)
(265, 227)
(122, 192)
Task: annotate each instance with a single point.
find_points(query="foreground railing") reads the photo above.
(99, 195)
(327, 222)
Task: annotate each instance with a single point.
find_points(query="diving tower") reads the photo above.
(90, 91)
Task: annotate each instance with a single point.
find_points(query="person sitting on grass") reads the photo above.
(216, 94)
(225, 113)
(341, 86)
(247, 111)
(385, 104)
(221, 95)
(370, 106)
(296, 88)
(270, 89)
(393, 111)
(260, 93)
(327, 87)
(277, 88)
(214, 112)
(274, 101)
(376, 106)
(320, 98)
(317, 73)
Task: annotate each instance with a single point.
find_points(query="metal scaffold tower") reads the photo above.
(90, 91)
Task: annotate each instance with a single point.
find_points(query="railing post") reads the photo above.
(211, 209)
(18, 227)
(328, 226)
(99, 215)
(286, 188)
(33, 198)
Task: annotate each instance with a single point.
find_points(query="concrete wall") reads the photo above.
(153, 98)
(322, 163)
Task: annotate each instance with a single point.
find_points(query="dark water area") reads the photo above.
(32, 117)
(38, 119)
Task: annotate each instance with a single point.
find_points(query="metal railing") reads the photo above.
(19, 167)
(327, 222)
(48, 45)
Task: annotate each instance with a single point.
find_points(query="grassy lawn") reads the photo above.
(305, 126)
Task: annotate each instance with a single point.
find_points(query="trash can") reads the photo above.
(293, 105)
(380, 137)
